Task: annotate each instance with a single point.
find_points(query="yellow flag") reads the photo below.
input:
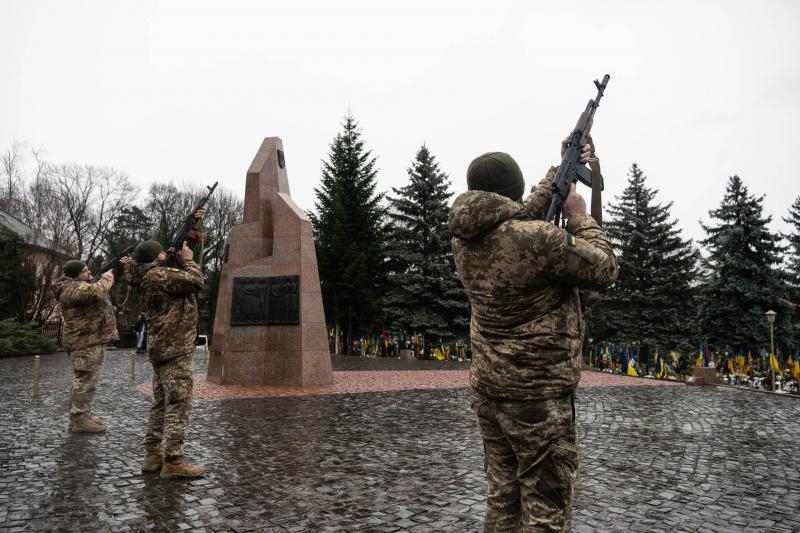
(662, 369)
(796, 370)
(773, 362)
(437, 353)
(699, 361)
(632, 370)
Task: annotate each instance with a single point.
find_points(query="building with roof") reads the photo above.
(46, 258)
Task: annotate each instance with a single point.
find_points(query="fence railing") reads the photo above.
(53, 330)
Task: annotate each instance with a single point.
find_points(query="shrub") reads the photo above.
(23, 339)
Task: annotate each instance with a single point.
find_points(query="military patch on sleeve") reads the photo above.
(571, 240)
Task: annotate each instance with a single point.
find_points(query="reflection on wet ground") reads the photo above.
(652, 458)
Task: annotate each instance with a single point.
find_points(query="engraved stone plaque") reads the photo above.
(250, 301)
(264, 301)
(284, 300)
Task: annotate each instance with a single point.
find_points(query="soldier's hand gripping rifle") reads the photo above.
(571, 170)
(187, 231)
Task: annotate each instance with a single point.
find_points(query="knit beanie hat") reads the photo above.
(496, 172)
(147, 251)
(72, 268)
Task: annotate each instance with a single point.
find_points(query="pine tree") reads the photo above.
(744, 279)
(424, 295)
(349, 234)
(652, 301)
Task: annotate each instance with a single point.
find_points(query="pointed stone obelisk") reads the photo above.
(269, 327)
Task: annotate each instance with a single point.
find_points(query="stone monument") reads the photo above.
(269, 327)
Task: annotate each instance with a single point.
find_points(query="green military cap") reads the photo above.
(147, 251)
(496, 172)
(72, 268)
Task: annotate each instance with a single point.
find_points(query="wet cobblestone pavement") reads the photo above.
(653, 458)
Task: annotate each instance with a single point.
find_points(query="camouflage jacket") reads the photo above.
(168, 295)
(88, 315)
(522, 276)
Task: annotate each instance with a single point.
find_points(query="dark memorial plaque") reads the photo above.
(265, 301)
(250, 301)
(284, 300)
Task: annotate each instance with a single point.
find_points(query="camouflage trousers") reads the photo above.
(171, 409)
(86, 366)
(531, 460)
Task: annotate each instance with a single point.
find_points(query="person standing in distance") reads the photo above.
(140, 329)
(170, 304)
(522, 276)
(89, 324)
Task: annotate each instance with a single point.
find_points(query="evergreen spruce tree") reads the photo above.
(793, 262)
(744, 279)
(424, 295)
(349, 234)
(793, 257)
(652, 301)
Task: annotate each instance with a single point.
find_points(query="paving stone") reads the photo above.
(654, 456)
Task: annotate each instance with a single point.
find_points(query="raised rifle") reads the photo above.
(187, 231)
(571, 170)
(114, 261)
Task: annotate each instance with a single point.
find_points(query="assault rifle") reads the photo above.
(114, 261)
(187, 231)
(571, 170)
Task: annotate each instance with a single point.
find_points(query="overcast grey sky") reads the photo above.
(699, 90)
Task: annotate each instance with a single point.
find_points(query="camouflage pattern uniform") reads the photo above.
(89, 323)
(168, 295)
(522, 277)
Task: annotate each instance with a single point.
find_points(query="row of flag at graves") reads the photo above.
(373, 346)
(744, 366)
(376, 344)
(625, 360)
(456, 351)
(791, 368)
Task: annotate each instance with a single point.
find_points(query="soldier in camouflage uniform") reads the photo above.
(522, 277)
(168, 295)
(89, 323)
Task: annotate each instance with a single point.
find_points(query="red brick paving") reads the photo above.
(354, 382)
